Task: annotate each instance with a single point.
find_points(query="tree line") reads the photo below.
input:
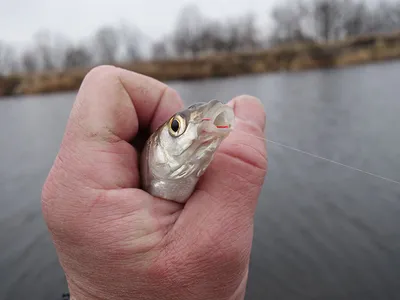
(196, 35)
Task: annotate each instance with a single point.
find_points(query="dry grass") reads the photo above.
(291, 57)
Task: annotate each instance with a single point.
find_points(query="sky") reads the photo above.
(78, 19)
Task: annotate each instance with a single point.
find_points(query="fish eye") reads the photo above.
(176, 125)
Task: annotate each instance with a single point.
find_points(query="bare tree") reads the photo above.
(356, 20)
(107, 44)
(195, 34)
(336, 19)
(8, 62)
(51, 48)
(29, 61)
(168, 46)
(77, 57)
(159, 50)
(385, 17)
(329, 17)
(327, 20)
(131, 39)
(290, 19)
(217, 36)
(61, 44)
(249, 39)
(188, 30)
(206, 38)
(43, 40)
(232, 36)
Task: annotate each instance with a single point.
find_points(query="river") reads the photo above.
(322, 230)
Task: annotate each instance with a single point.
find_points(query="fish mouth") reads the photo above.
(218, 119)
(214, 121)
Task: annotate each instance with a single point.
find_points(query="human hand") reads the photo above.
(115, 241)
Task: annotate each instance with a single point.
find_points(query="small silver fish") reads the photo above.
(179, 151)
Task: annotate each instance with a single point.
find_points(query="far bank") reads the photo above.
(291, 57)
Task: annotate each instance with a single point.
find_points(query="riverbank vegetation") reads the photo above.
(299, 35)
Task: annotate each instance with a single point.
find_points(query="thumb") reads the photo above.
(220, 213)
(235, 177)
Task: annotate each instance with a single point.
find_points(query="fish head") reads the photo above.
(188, 140)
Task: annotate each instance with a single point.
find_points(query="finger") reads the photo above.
(234, 179)
(230, 187)
(111, 105)
(216, 222)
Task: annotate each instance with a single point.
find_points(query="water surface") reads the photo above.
(322, 231)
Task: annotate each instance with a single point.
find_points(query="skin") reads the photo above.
(114, 240)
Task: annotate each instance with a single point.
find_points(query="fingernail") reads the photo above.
(249, 109)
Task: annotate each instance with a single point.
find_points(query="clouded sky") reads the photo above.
(20, 19)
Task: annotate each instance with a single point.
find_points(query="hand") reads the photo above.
(115, 241)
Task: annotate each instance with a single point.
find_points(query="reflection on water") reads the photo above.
(321, 231)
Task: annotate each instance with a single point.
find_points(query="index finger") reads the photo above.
(113, 103)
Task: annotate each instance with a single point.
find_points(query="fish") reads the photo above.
(178, 152)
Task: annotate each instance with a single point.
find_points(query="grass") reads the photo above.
(290, 57)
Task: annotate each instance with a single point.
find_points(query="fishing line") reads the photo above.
(324, 158)
(333, 162)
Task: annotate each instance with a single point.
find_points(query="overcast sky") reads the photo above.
(20, 19)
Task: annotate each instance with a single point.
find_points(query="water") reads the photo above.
(322, 231)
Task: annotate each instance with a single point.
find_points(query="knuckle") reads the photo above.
(246, 97)
(172, 93)
(100, 75)
(57, 187)
(100, 72)
(251, 160)
(47, 197)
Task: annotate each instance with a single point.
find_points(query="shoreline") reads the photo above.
(291, 57)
